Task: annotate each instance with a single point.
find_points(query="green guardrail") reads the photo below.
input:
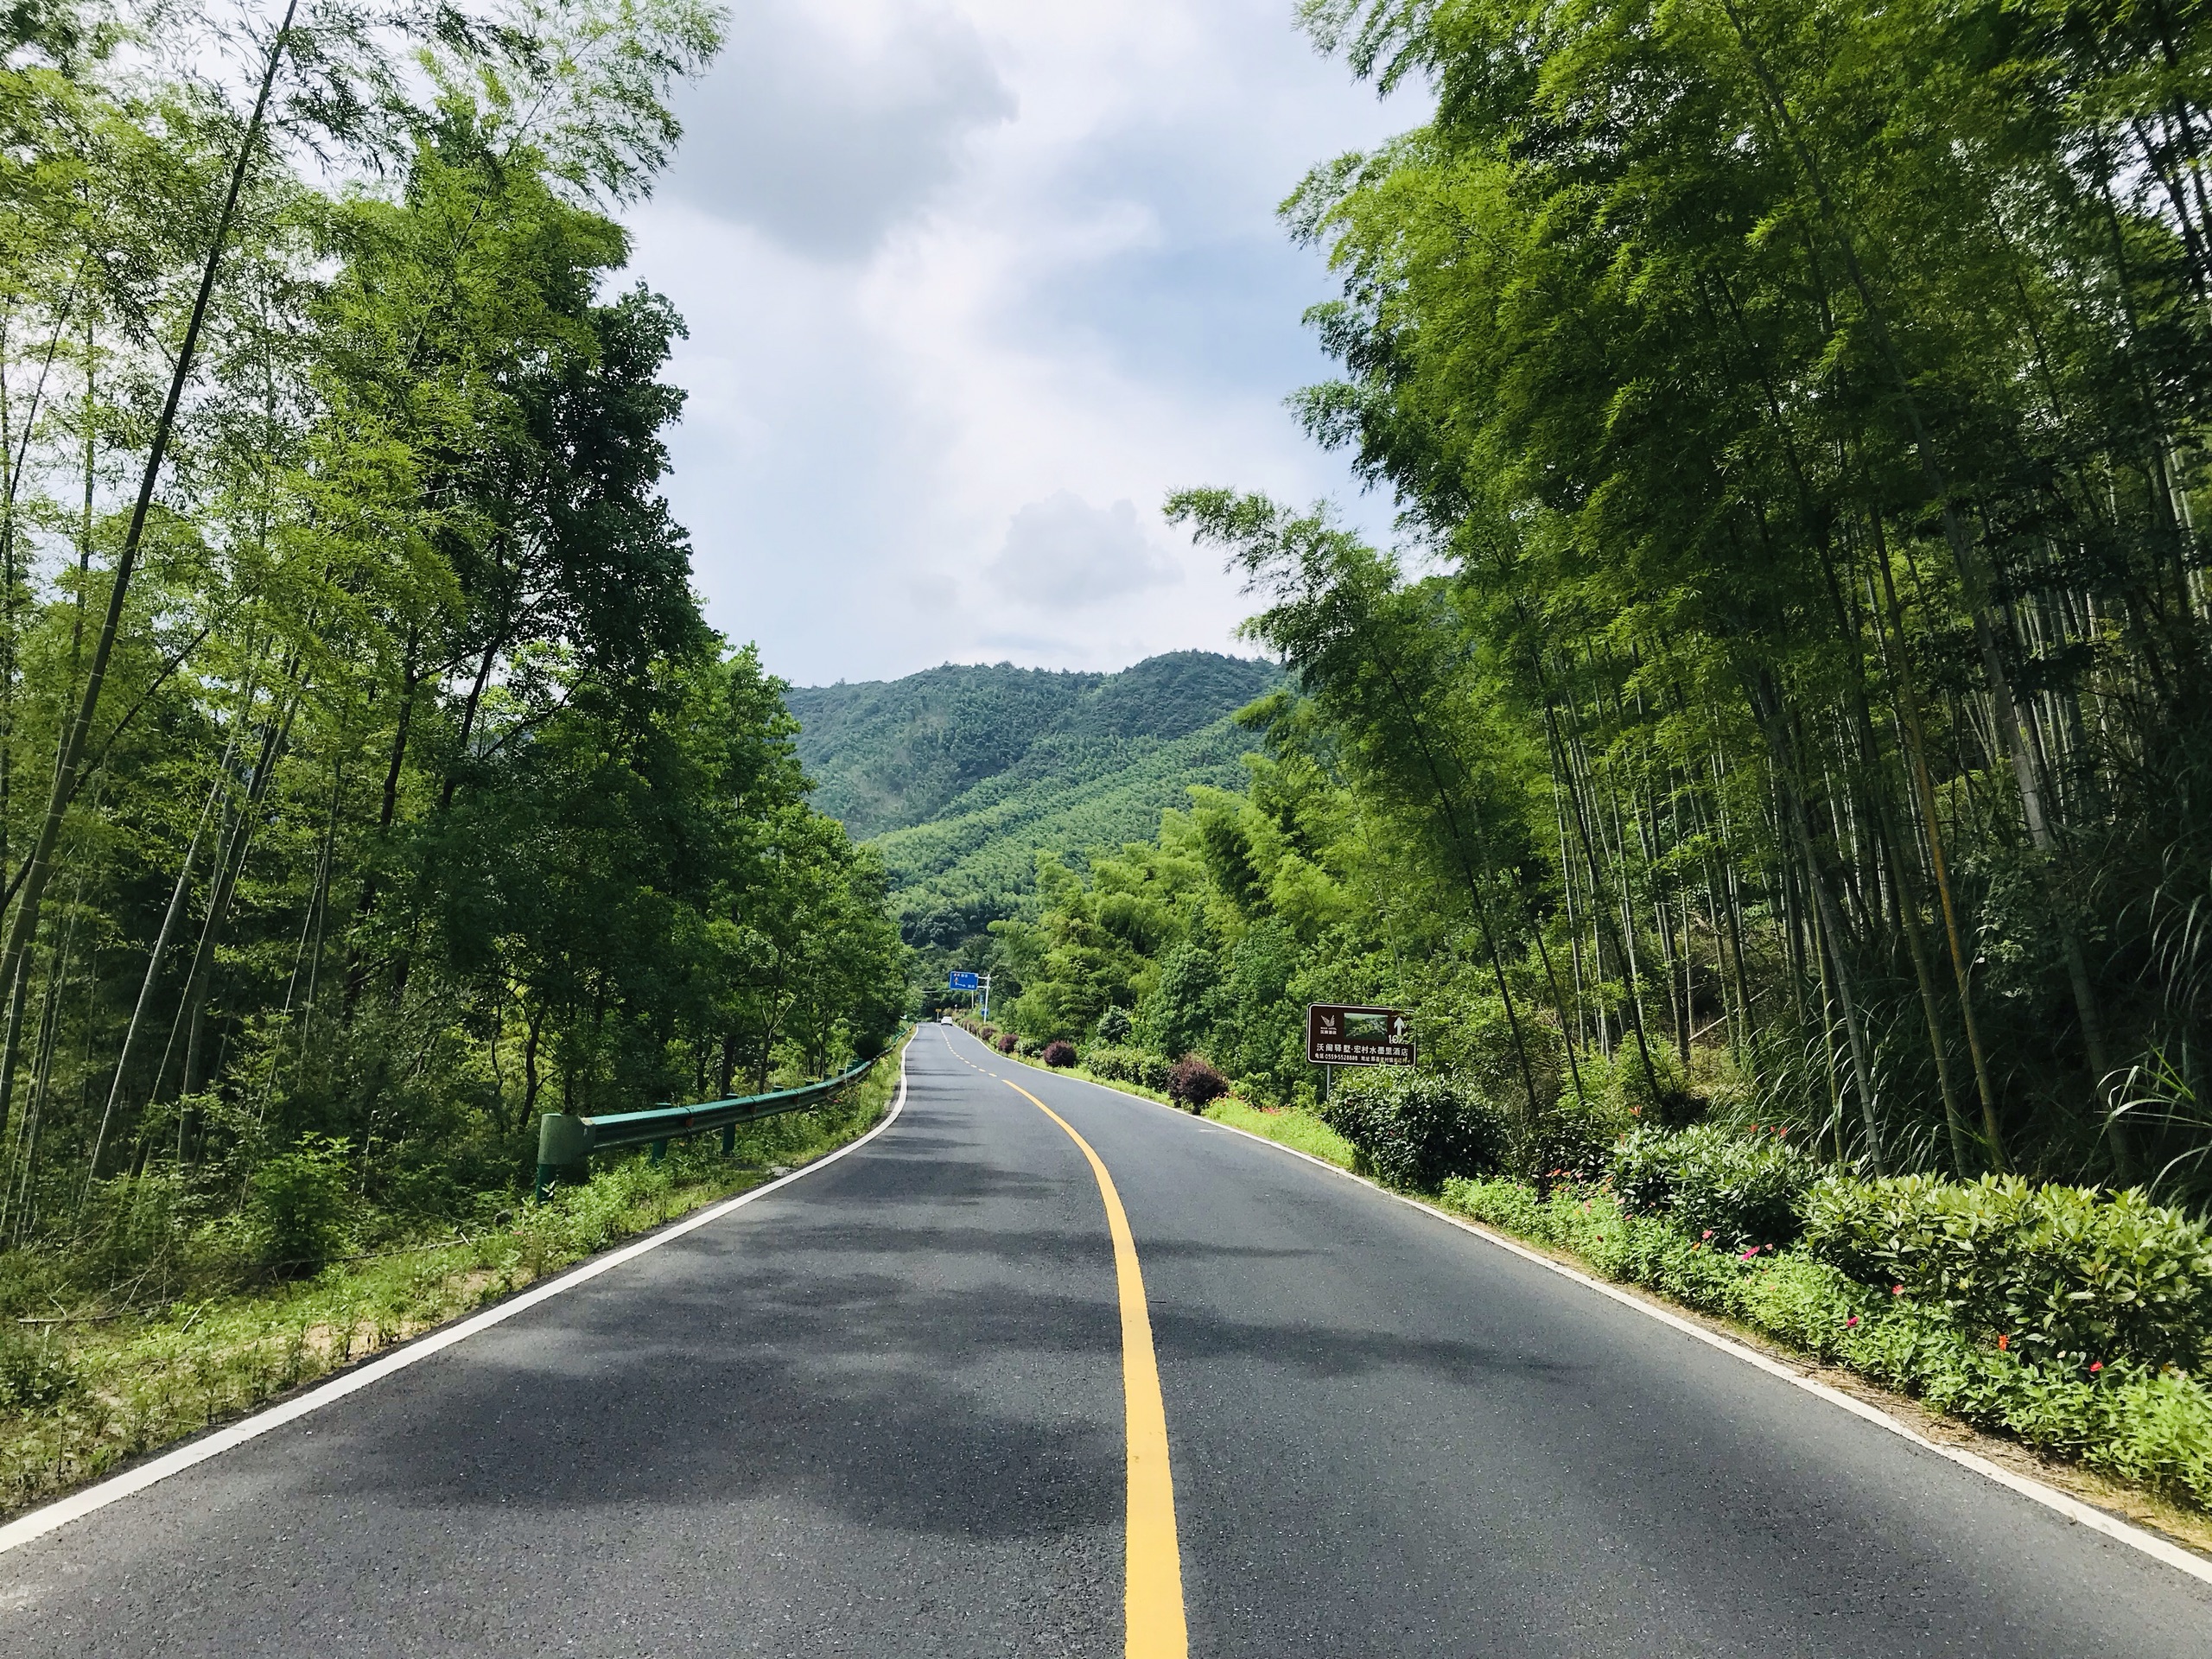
(565, 1142)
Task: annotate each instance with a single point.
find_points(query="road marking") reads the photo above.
(2035, 1492)
(1152, 1599)
(23, 1529)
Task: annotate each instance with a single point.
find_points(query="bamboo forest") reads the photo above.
(370, 782)
(1787, 698)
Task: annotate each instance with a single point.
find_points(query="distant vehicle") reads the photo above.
(944, 1018)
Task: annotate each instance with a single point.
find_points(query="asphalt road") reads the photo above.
(880, 1412)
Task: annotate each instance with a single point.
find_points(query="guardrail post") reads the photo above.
(660, 1151)
(729, 1139)
(563, 1143)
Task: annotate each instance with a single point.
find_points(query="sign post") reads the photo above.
(963, 980)
(1347, 1034)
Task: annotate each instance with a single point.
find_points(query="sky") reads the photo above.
(972, 285)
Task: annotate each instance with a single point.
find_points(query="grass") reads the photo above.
(1301, 1130)
(80, 1399)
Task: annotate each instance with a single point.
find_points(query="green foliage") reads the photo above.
(35, 1374)
(1574, 1140)
(2154, 1428)
(300, 1204)
(1412, 1130)
(1114, 1027)
(1146, 1069)
(77, 1399)
(976, 864)
(409, 796)
(1734, 1190)
(1805, 658)
(893, 755)
(1184, 1004)
(2062, 1272)
(1291, 1125)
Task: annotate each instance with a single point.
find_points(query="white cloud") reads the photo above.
(948, 265)
(826, 124)
(1062, 551)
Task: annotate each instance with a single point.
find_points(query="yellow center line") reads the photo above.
(1152, 1603)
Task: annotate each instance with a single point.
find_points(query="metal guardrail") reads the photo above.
(565, 1143)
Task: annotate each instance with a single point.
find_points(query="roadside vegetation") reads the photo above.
(80, 1395)
(369, 781)
(1772, 767)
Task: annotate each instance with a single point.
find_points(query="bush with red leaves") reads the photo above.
(1193, 1083)
(1059, 1052)
(1006, 1042)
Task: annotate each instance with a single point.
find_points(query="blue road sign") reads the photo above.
(966, 983)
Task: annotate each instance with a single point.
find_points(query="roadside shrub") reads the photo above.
(1191, 1082)
(1737, 1190)
(1058, 1052)
(1573, 1140)
(1116, 1027)
(300, 1205)
(1104, 1060)
(1004, 1042)
(2059, 1271)
(1136, 1065)
(1658, 1094)
(2150, 1426)
(32, 1376)
(1419, 1126)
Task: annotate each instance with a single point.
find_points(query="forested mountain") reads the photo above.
(369, 779)
(964, 775)
(885, 753)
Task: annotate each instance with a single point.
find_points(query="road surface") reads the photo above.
(885, 1410)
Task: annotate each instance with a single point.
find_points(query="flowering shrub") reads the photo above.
(1717, 1184)
(1572, 1140)
(1191, 1082)
(1058, 1052)
(2055, 1270)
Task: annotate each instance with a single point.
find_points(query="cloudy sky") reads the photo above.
(972, 284)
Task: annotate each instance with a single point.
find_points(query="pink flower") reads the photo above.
(1853, 1320)
(1897, 1290)
(1708, 1232)
(2094, 1369)
(1749, 1254)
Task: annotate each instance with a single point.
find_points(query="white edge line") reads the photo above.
(2050, 1498)
(77, 1505)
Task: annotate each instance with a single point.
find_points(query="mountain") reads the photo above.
(962, 775)
(885, 753)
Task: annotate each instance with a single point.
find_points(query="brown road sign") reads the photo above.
(1336, 1035)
